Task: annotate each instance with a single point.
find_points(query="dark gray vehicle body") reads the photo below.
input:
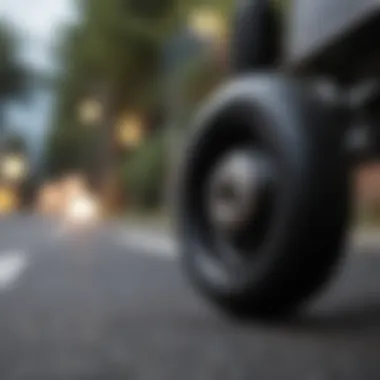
(340, 38)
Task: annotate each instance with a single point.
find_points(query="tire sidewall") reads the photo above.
(298, 131)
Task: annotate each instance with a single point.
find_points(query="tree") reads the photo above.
(12, 76)
(201, 71)
(113, 55)
(114, 49)
(144, 173)
(15, 143)
(115, 52)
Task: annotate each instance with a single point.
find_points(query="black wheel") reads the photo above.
(256, 42)
(263, 199)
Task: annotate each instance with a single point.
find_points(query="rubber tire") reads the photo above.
(309, 224)
(256, 39)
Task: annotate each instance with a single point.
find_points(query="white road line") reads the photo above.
(162, 246)
(146, 244)
(13, 265)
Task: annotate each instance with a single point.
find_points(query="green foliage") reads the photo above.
(12, 76)
(16, 143)
(114, 46)
(201, 77)
(113, 54)
(68, 150)
(144, 173)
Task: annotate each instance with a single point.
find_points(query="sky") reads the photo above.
(38, 23)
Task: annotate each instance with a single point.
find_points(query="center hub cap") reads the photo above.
(237, 187)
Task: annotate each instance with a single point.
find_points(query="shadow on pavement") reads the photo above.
(349, 307)
(363, 317)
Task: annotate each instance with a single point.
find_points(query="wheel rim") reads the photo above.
(222, 247)
(238, 188)
(233, 196)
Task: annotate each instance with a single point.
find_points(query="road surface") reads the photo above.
(106, 305)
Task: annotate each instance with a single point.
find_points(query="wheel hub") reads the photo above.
(237, 187)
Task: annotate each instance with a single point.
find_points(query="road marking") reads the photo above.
(147, 244)
(163, 246)
(12, 266)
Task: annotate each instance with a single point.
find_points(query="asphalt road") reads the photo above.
(97, 305)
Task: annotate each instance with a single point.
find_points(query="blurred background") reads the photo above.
(95, 102)
(96, 95)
